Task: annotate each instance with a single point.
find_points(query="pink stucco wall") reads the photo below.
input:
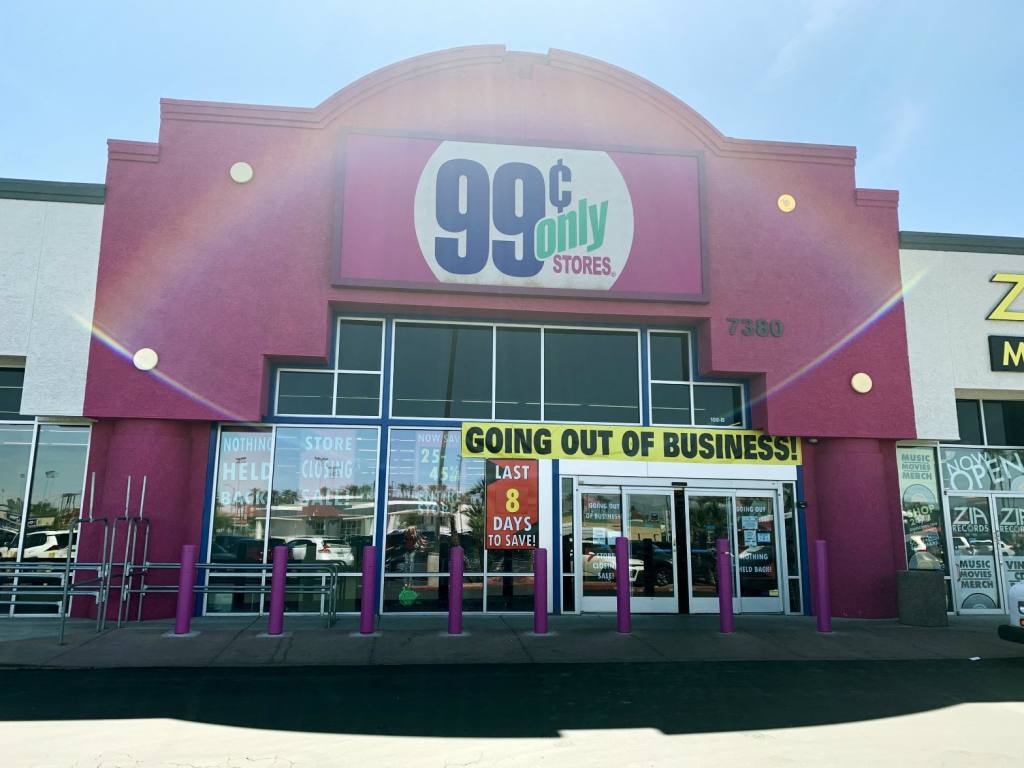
(219, 277)
(223, 279)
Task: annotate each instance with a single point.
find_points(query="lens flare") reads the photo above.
(111, 343)
(846, 340)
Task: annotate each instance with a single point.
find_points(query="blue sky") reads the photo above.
(930, 92)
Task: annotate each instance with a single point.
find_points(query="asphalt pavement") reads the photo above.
(765, 713)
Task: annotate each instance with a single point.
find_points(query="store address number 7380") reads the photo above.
(746, 326)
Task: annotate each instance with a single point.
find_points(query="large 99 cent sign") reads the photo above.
(494, 214)
(475, 216)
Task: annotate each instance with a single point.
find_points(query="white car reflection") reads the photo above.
(320, 548)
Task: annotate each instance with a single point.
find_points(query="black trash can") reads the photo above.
(921, 598)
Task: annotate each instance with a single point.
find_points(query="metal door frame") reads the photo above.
(772, 490)
(999, 565)
(594, 604)
(761, 604)
(644, 604)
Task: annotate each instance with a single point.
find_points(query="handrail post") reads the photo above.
(624, 619)
(540, 591)
(275, 624)
(457, 568)
(823, 598)
(186, 584)
(368, 605)
(723, 567)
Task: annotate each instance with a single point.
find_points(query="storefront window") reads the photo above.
(442, 371)
(436, 502)
(568, 547)
(990, 422)
(240, 514)
(15, 451)
(351, 388)
(1004, 422)
(591, 376)
(717, 405)
(55, 501)
(670, 356)
(359, 361)
(676, 400)
(968, 418)
(58, 477)
(12, 381)
(359, 345)
(321, 507)
(789, 516)
(924, 535)
(517, 374)
(670, 403)
(982, 469)
(322, 502)
(304, 393)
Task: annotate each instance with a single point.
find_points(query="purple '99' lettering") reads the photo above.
(474, 221)
(509, 222)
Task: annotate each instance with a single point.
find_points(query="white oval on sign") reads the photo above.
(524, 217)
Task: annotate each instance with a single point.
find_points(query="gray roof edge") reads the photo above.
(53, 191)
(943, 241)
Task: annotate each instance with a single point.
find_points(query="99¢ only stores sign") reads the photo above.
(511, 511)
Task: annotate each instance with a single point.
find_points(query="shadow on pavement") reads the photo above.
(514, 700)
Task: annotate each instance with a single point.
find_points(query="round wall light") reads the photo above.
(787, 203)
(241, 173)
(145, 359)
(861, 383)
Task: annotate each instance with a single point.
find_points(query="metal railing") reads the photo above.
(329, 575)
(21, 581)
(28, 583)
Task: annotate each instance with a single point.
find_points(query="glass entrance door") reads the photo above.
(987, 535)
(600, 524)
(757, 549)
(651, 529)
(709, 517)
(1010, 526)
(645, 517)
(748, 520)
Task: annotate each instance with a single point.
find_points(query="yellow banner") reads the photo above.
(588, 441)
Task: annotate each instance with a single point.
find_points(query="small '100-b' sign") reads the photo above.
(1006, 353)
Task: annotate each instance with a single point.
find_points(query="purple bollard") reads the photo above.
(275, 624)
(368, 606)
(186, 585)
(455, 591)
(624, 620)
(723, 567)
(821, 588)
(540, 591)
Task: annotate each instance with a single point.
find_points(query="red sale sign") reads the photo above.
(511, 512)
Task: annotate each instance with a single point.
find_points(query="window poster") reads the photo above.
(974, 572)
(982, 469)
(924, 537)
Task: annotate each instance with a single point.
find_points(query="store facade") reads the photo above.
(49, 249)
(962, 481)
(330, 327)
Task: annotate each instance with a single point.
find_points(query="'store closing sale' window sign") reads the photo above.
(511, 508)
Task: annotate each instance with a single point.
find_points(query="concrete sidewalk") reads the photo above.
(240, 641)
